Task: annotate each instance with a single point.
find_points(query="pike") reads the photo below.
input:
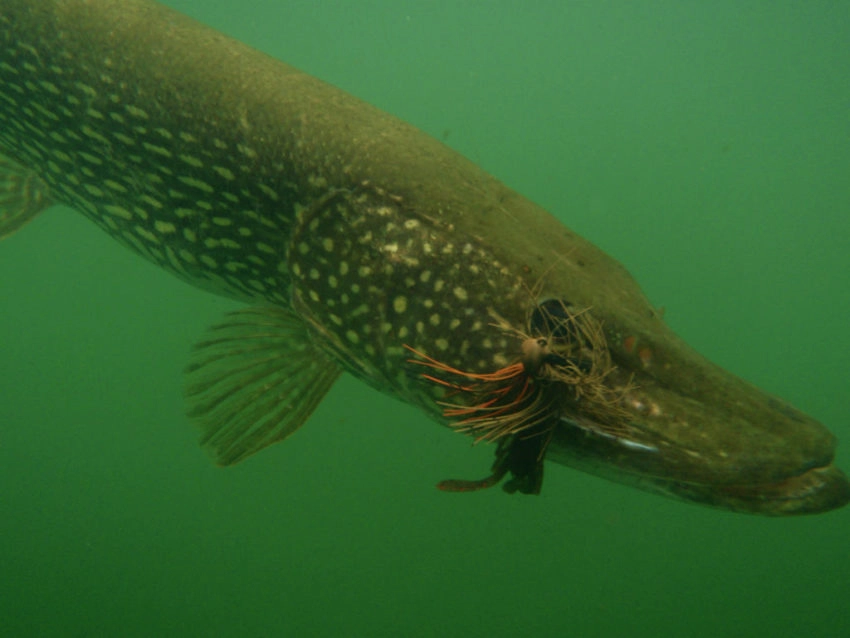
(363, 245)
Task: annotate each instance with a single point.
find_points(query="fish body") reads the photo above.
(364, 245)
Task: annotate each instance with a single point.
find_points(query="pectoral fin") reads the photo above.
(23, 195)
(254, 380)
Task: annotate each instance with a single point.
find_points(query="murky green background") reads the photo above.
(705, 145)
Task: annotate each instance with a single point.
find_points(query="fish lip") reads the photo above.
(814, 491)
(811, 487)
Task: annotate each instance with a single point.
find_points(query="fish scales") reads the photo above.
(365, 245)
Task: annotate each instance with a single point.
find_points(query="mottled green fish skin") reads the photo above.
(251, 179)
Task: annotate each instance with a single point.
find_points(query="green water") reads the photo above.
(705, 145)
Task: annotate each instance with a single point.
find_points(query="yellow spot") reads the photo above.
(62, 155)
(196, 183)
(164, 132)
(190, 235)
(208, 261)
(124, 139)
(343, 268)
(164, 227)
(135, 111)
(159, 150)
(269, 191)
(93, 190)
(352, 336)
(434, 319)
(118, 211)
(151, 200)
(85, 88)
(460, 293)
(172, 259)
(442, 344)
(222, 221)
(50, 87)
(90, 132)
(144, 232)
(226, 173)
(112, 184)
(191, 160)
(400, 304)
(92, 159)
(328, 244)
(247, 151)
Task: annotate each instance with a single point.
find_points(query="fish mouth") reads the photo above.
(780, 465)
(683, 427)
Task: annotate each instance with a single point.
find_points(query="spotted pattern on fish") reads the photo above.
(445, 288)
(170, 186)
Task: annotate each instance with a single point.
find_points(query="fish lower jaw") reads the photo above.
(814, 491)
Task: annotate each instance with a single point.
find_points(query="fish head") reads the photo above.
(638, 405)
(509, 327)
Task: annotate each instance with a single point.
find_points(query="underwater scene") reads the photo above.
(704, 146)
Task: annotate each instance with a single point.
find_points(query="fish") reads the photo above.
(361, 245)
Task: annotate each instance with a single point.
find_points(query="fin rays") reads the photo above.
(254, 381)
(22, 196)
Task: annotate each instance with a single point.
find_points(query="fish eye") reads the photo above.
(553, 318)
